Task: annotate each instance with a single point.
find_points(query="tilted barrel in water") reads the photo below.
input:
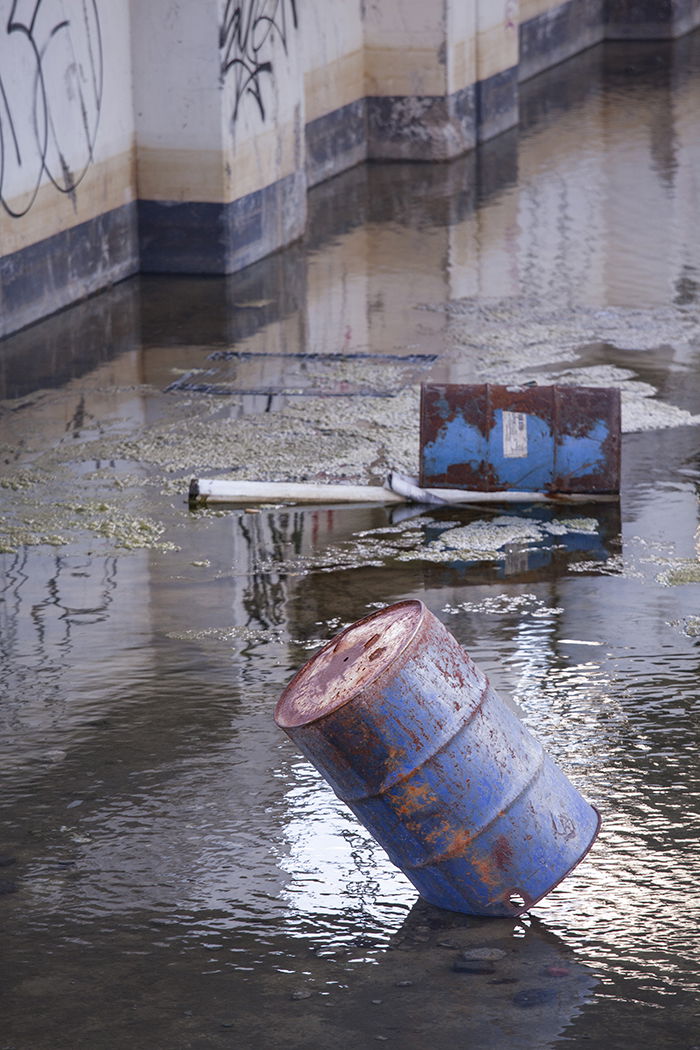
(410, 734)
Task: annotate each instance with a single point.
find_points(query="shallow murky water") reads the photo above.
(173, 873)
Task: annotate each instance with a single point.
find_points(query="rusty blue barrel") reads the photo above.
(410, 734)
(555, 439)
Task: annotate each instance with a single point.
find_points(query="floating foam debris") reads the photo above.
(557, 326)
(564, 525)
(399, 528)
(687, 625)
(492, 535)
(501, 604)
(513, 340)
(358, 438)
(613, 566)
(481, 541)
(685, 570)
(238, 633)
(639, 414)
(106, 522)
(487, 540)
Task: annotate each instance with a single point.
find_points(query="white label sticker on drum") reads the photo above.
(514, 435)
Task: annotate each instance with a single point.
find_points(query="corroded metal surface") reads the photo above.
(410, 734)
(555, 439)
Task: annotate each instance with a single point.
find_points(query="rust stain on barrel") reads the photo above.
(411, 735)
(502, 852)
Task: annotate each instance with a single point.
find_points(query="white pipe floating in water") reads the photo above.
(399, 489)
(213, 490)
(413, 493)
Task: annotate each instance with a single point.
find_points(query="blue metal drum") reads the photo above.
(410, 734)
(553, 439)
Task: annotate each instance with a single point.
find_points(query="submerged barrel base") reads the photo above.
(450, 888)
(410, 734)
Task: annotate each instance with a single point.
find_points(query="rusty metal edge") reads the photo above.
(594, 836)
(554, 494)
(331, 644)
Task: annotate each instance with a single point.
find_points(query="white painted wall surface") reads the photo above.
(66, 122)
(262, 113)
(405, 47)
(218, 97)
(332, 52)
(497, 36)
(176, 74)
(461, 44)
(177, 99)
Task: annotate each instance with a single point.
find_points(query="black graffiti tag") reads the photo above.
(246, 36)
(50, 105)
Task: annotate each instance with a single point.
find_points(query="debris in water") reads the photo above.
(518, 339)
(486, 540)
(483, 954)
(688, 625)
(682, 571)
(498, 604)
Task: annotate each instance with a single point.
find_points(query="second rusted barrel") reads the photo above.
(410, 734)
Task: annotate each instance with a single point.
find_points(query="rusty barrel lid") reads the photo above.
(348, 663)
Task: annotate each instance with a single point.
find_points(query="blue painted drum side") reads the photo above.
(441, 771)
(539, 439)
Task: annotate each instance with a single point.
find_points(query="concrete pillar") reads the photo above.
(552, 31)
(216, 115)
(439, 77)
(419, 78)
(333, 57)
(67, 194)
(219, 121)
(496, 67)
(649, 19)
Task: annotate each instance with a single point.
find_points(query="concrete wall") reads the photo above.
(182, 135)
(334, 90)
(67, 189)
(219, 133)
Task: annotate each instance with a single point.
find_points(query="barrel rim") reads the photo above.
(577, 861)
(284, 701)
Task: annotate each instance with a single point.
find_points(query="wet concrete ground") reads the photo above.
(173, 873)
